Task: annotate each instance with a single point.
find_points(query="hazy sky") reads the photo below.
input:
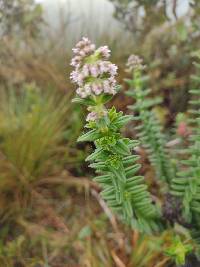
(90, 17)
(105, 5)
(97, 12)
(87, 17)
(94, 10)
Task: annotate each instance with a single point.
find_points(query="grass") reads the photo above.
(32, 131)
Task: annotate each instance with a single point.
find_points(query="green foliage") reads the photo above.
(187, 185)
(123, 189)
(178, 251)
(117, 167)
(149, 130)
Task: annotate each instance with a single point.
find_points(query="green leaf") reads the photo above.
(84, 101)
(132, 170)
(106, 98)
(130, 159)
(120, 122)
(178, 251)
(95, 155)
(130, 82)
(120, 175)
(133, 143)
(108, 192)
(128, 207)
(89, 136)
(121, 148)
(103, 178)
(99, 166)
(134, 181)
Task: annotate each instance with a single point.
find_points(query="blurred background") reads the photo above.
(50, 211)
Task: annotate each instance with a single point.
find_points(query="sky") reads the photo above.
(90, 17)
(94, 10)
(100, 5)
(86, 17)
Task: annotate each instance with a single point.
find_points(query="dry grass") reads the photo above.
(92, 239)
(21, 63)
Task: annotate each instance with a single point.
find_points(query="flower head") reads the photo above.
(134, 63)
(93, 73)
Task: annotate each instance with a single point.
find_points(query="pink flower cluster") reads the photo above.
(93, 73)
(134, 62)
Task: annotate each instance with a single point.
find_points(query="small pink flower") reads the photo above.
(113, 69)
(103, 67)
(81, 92)
(106, 86)
(82, 53)
(183, 130)
(134, 62)
(104, 52)
(92, 116)
(80, 79)
(75, 62)
(112, 91)
(74, 76)
(84, 42)
(75, 50)
(85, 70)
(94, 71)
(88, 89)
(97, 89)
(112, 81)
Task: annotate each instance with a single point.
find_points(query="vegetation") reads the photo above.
(140, 145)
(123, 190)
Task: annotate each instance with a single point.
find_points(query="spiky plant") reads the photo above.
(114, 159)
(181, 204)
(187, 185)
(149, 130)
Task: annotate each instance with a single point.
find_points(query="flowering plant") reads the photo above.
(150, 131)
(115, 160)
